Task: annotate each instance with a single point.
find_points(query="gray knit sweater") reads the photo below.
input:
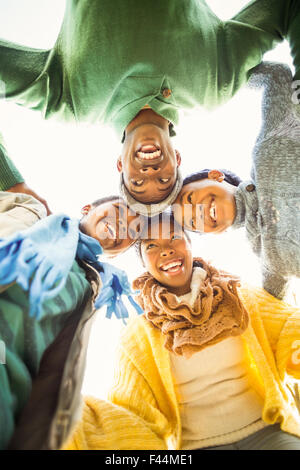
(270, 210)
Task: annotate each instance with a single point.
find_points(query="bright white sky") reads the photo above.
(71, 166)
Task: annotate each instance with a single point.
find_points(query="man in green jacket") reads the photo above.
(133, 65)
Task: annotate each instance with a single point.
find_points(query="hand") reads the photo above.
(23, 188)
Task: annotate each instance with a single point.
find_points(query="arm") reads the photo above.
(133, 393)
(11, 180)
(9, 175)
(144, 383)
(274, 283)
(131, 420)
(256, 29)
(18, 212)
(140, 413)
(281, 325)
(24, 189)
(21, 71)
(35, 78)
(276, 81)
(105, 426)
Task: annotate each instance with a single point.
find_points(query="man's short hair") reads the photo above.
(171, 132)
(230, 177)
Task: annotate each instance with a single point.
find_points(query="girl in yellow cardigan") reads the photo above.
(209, 365)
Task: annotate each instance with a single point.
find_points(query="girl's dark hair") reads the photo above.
(230, 177)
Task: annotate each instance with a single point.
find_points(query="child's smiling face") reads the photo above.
(216, 199)
(113, 224)
(168, 257)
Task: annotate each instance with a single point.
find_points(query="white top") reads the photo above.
(217, 403)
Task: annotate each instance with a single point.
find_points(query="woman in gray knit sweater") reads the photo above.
(268, 205)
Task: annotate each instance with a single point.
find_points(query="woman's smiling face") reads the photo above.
(168, 258)
(206, 206)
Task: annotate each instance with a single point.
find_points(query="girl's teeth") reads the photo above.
(172, 266)
(173, 270)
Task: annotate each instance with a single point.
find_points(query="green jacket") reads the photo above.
(114, 56)
(44, 360)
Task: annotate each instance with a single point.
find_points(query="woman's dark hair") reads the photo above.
(230, 177)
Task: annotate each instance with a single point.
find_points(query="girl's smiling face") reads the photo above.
(168, 258)
(216, 202)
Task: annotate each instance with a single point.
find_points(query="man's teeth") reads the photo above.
(149, 155)
(212, 210)
(173, 266)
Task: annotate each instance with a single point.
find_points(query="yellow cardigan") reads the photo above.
(143, 411)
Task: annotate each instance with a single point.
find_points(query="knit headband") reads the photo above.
(150, 210)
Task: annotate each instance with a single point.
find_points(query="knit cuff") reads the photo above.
(9, 175)
(275, 284)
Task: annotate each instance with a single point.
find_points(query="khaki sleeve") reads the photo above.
(18, 212)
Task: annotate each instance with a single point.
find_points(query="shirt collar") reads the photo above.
(125, 115)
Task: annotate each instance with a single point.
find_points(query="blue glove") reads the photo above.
(40, 258)
(115, 284)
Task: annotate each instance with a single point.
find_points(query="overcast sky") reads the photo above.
(73, 165)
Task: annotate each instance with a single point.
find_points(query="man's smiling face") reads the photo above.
(148, 161)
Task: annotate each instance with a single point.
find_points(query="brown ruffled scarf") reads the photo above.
(217, 313)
